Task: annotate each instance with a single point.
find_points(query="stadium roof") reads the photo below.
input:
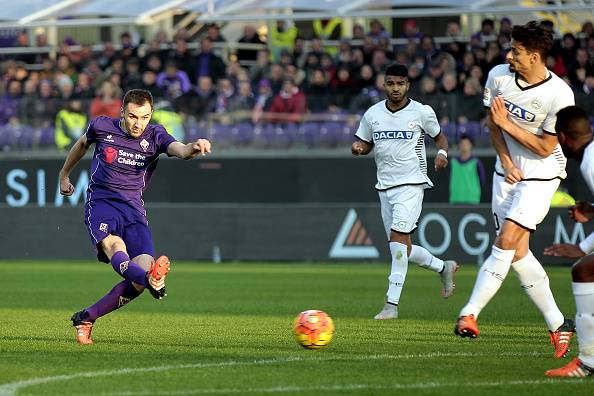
(31, 13)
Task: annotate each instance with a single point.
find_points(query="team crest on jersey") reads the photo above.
(103, 227)
(519, 112)
(144, 144)
(398, 135)
(411, 124)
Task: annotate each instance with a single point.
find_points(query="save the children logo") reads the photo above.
(110, 154)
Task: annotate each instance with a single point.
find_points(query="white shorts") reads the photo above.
(401, 208)
(525, 203)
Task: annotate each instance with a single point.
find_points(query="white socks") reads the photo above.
(424, 259)
(535, 282)
(489, 280)
(398, 272)
(584, 320)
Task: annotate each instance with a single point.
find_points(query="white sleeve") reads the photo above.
(563, 98)
(430, 123)
(587, 169)
(364, 132)
(490, 90)
(587, 245)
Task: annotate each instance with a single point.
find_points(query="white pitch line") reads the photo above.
(344, 387)
(10, 389)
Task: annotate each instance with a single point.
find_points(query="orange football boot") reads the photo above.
(575, 368)
(466, 327)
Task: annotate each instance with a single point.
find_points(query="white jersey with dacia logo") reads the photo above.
(399, 142)
(533, 108)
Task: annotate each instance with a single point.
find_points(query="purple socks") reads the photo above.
(128, 269)
(120, 295)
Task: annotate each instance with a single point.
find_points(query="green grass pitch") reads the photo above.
(227, 329)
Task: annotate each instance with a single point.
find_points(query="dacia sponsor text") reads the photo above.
(400, 135)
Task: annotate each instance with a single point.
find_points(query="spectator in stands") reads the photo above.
(174, 82)
(282, 36)
(207, 63)
(182, 57)
(197, 103)
(289, 105)
(379, 62)
(27, 109)
(107, 55)
(364, 79)
(71, 123)
(250, 36)
(262, 67)
(299, 52)
(276, 78)
(262, 101)
(344, 53)
(469, 104)
(427, 48)
(467, 175)
(368, 96)
(128, 50)
(342, 88)
(213, 32)
(83, 88)
(225, 92)
(584, 95)
(132, 78)
(411, 30)
(494, 55)
(243, 100)
(317, 91)
(298, 76)
(451, 97)
(568, 49)
(431, 96)
(377, 31)
(505, 27)
(479, 39)
(107, 102)
(149, 83)
(579, 68)
(358, 32)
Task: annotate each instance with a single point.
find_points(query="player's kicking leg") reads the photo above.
(583, 291)
(445, 268)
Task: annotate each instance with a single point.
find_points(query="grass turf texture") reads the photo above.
(227, 329)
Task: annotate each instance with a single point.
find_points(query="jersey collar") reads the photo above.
(395, 111)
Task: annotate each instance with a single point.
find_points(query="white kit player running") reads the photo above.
(575, 136)
(396, 129)
(524, 98)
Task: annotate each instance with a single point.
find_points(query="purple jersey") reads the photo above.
(122, 165)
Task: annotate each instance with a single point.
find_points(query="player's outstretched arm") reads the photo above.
(75, 154)
(441, 159)
(360, 147)
(512, 174)
(564, 250)
(539, 145)
(189, 150)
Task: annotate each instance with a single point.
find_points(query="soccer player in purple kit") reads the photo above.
(126, 154)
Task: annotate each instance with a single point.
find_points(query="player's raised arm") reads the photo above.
(540, 145)
(189, 150)
(78, 150)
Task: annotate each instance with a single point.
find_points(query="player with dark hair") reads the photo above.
(575, 137)
(524, 98)
(395, 128)
(126, 154)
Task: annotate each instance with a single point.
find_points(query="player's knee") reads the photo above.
(583, 270)
(506, 242)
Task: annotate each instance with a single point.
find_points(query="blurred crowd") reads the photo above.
(279, 79)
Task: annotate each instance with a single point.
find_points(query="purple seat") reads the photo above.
(450, 131)
(242, 133)
(46, 137)
(310, 132)
(472, 129)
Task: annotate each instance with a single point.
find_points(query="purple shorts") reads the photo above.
(104, 217)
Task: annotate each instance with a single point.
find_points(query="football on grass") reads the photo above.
(313, 329)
